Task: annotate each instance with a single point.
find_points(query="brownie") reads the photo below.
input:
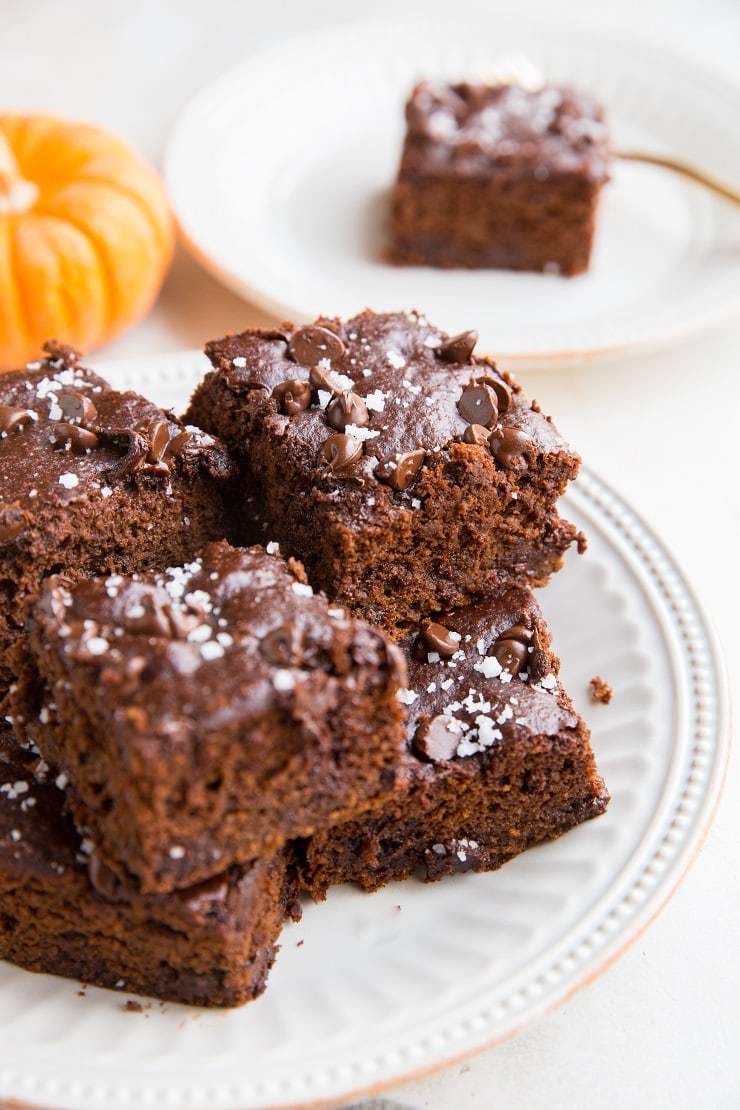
(207, 715)
(498, 176)
(61, 911)
(94, 481)
(498, 759)
(408, 474)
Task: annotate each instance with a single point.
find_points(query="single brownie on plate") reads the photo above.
(94, 481)
(408, 474)
(497, 757)
(207, 715)
(62, 912)
(498, 176)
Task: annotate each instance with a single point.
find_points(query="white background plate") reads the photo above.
(370, 989)
(279, 174)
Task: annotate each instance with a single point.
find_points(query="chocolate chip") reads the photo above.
(478, 404)
(13, 521)
(283, 646)
(293, 396)
(105, 881)
(435, 637)
(512, 648)
(520, 631)
(476, 433)
(400, 469)
(396, 661)
(438, 739)
(179, 444)
(347, 408)
(323, 379)
(512, 448)
(340, 450)
(158, 434)
(511, 654)
(12, 419)
(78, 439)
(499, 387)
(311, 344)
(149, 615)
(458, 348)
(76, 407)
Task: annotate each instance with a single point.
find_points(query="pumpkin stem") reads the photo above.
(16, 194)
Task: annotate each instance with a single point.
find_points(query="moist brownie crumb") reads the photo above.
(207, 715)
(95, 481)
(498, 176)
(210, 945)
(600, 690)
(407, 473)
(498, 758)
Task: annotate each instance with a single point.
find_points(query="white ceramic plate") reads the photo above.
(279, 174)
(372, 989)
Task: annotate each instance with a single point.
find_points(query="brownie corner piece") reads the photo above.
(498, 176)
(93, 481)
(406, 472)
(64, 914)
(209, 714)
(498, 760)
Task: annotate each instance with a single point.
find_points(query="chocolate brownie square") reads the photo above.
(499, 176)
(497, 757)
(62, 912)
(94, 481)
(408, 474)
(207, 715)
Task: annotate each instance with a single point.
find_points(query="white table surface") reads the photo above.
(658, 1028)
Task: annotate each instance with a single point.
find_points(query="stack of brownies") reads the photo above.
(285, 643)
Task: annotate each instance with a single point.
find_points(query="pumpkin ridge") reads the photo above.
(103, 269)
(106, 268)
(18, 271)
(165, 239)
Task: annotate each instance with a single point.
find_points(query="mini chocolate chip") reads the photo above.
(104, 879)
(396, 660)
(293, 396)
(76, 407)
(340, 450)
(478, 404)
(178, 445)
(312, 343)
(458, 348)
(438, 739)
(436, 637)
(400, 469)
(79, 439)
(12, 419)
(511, 654)
(476, 433)
(347, 408)
(13, 521)
(520, 631)
(503, 394)
(282, 646)
(512, 448)
(149, 615)
(322, 379)
(499, 387)
(158, 434)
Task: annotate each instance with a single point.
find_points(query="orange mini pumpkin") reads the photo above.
(86, 235)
